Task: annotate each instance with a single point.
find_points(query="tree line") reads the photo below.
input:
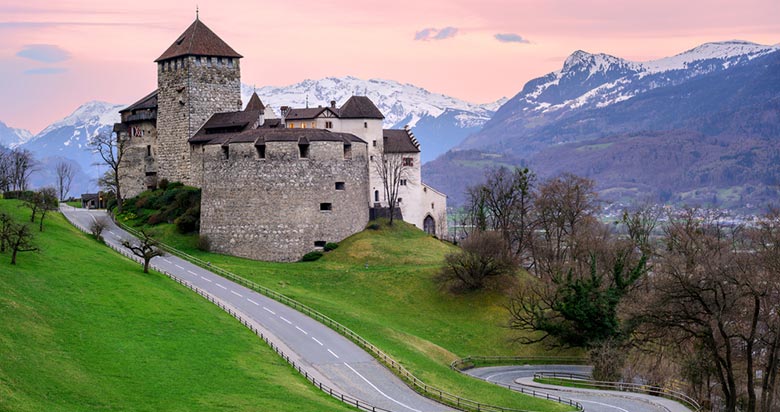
(659, 295)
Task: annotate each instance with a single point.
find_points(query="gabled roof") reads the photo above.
(255, 104)
(198, 40)
(305, 114)
(228, 122)
(359, 107)
(399, 141)
(147, 102)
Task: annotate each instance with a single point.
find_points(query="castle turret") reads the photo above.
(197, 76)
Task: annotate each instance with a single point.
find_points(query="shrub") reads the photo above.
(163, 184)
(204, 243)
(484, 255)
(330, 246)
(97, 227)
(374, 226)
(311, 256)
(190, 221)
(155, 219)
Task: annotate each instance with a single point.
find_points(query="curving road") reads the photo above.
(591, 400)
(325, 354)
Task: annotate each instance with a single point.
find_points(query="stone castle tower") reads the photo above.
(197, 76)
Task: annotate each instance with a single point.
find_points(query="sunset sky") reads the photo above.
(56, 55)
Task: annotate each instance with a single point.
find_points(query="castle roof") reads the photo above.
(255, 104)
(147, 102)
(399, 141)
(359, 107)
(307, 113)
(264, 135)
(198, 40)
(228, 122)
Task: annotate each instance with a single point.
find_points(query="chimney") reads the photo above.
(332, 104)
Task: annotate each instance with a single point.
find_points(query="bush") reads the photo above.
(484, 255)
(190, 221)
(330, 246)
(155, 219)
(18, 194)
(204, 243)
(163, 184)
(374, 226)
(311, 256)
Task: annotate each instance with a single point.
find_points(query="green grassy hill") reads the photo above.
(82, 328)
(379, 283)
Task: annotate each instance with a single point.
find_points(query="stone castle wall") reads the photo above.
(190, 90)
(270, 209)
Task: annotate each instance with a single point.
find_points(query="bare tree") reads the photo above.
(391, 168)
(484, 256)
(47, 196)
(20, 240)
(97, 227)
(22, 165)
(6, 226)
(65, 173)
(111, 150)
(146, 248)
(5, 170)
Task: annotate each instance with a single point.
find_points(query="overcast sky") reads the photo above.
(55, 55)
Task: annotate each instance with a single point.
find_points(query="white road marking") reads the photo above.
(192, 273)
(112, 233)
(206, 279)
(179, 267)
(166, 260)
(380, 392)
(269, 310)
(602, 404)
(236, 293)
(304, 332)
(316, 340)
(257, 304)
(337, 356)
(489, 377)
(221, 286)
(282, 318)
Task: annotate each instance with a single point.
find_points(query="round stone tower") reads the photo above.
(197, 76)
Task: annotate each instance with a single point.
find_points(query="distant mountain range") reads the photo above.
(701, 127)
(440, 122)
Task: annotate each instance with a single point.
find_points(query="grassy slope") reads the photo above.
(395, 304)
(83, 329)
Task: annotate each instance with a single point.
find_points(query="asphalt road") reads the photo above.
(325, 354)
(591, 400)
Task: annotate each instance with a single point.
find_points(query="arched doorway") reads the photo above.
(429, 225)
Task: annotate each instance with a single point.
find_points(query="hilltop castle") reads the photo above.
(273, 187)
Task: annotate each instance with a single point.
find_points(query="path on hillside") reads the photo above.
(332, 358)
(592, 400)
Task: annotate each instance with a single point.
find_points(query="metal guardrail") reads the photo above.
(399, 370)
(678, 396)
(463, 364)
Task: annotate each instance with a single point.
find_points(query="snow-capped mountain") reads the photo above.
(439, 121)
(68, 139)
(11, 137)
(700, 127)
(591, 81)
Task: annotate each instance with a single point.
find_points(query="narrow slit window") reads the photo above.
(326, 207)
(260, 151)
(348, 151)
(340, 186)
(303, 151)
(226, 152)
(376, 195)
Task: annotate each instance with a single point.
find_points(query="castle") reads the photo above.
(273, 187)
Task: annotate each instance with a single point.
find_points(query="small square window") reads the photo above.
(319, 243)
(374, 143)
(400, 199)
(403, 182)
(303, 151)
(328, 124)
(260, 151)
(326, 207)
(347, 151)
(340, 186)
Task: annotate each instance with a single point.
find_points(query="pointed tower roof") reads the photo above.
(198, 40)
(255, 103)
